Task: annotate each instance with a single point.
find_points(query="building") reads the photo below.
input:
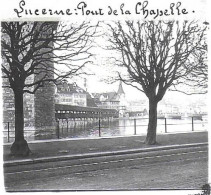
(112, 100)
(109, 100)
(137, 105)
(196, 107)
(136, 113)
(72, 94)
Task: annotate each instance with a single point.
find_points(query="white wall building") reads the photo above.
(70, 94)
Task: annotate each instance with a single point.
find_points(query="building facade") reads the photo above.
(70, 94)
(112, 100)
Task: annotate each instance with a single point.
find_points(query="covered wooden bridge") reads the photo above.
(78, 112)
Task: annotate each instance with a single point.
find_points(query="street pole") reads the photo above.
(192, 125)
(134, 126)
(57, 128)
(8, 137)
(99, 126)
(67, 125)
(165, 126)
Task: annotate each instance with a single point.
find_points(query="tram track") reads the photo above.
(78, 166)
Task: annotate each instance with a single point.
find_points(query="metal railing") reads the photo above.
(102, 125)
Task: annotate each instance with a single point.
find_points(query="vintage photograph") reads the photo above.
(105, 105)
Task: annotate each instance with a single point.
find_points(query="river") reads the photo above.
(123, 127)
(112, 127)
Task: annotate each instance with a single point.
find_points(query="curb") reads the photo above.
(97, 154)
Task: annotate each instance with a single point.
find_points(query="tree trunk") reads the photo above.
(20, 146)
(152, 125)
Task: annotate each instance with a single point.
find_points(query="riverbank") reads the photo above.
(61, 147)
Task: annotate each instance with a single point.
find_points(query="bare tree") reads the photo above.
(197, 81)
(156, 54)
(50, 51)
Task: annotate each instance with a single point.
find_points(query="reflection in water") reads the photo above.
(89, 128)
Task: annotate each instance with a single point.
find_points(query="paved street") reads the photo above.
(184, 168)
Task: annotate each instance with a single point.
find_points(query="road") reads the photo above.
(183, 168)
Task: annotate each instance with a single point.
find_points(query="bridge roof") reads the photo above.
(63, 107)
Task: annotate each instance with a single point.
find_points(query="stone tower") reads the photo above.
(44, 108)
(44, 103)
(122, 100)
(120, 89)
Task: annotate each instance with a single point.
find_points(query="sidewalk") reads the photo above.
(62, 147)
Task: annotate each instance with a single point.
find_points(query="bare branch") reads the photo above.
(49, 50)
(157, 54)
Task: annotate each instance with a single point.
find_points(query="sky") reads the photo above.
(102, 69)
(95, 84)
